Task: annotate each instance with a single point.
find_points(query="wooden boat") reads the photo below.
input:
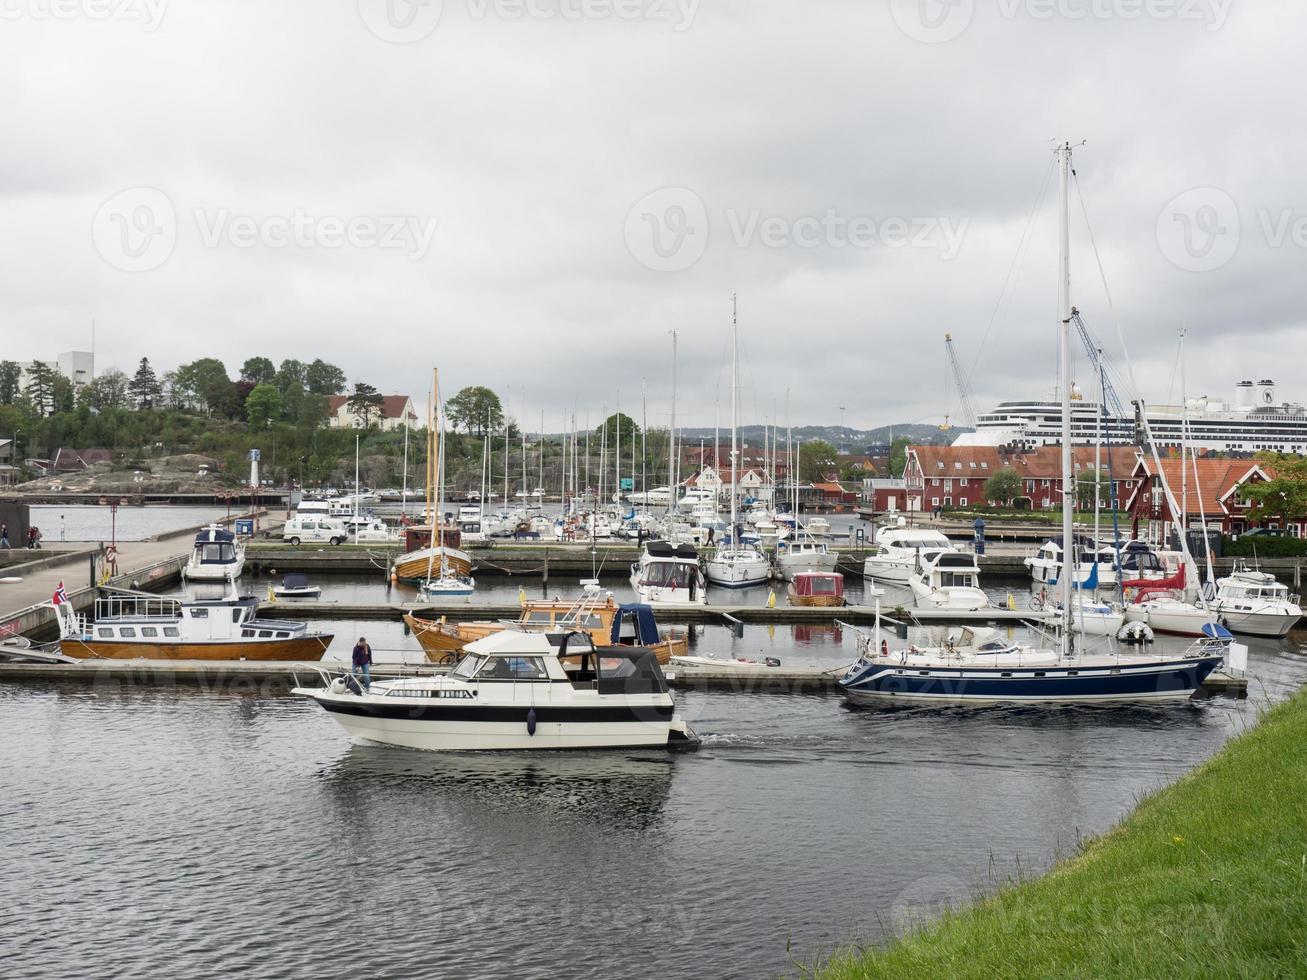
(132, 625)
(603, 621)
(816, 589)
(420, 558)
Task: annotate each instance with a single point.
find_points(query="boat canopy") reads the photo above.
(1215, 631)
(665, 549)
(214, 533)
(643, 626)
(818, 583)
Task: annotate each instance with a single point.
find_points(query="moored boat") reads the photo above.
(217, 556)
(816, 589)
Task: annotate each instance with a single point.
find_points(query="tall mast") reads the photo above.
(644, 443)
(735, 413)
(673, 470)
(1064, 312)
(1184, 443)
(617, 455)
(403, 494)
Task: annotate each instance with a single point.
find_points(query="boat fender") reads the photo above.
(531, 722)
(772, 661)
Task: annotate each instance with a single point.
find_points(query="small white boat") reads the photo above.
(448, 585)
(1092, 616)
(516, 691)
(806, 556)
(1169, 613)
(724, 663)
(668, 575)
(948, 580)
(737, 568)
(898, 548)
(296, 586)
(1254, 603)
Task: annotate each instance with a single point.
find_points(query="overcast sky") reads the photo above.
(531, 195)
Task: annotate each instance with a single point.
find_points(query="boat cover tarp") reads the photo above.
(642, 617)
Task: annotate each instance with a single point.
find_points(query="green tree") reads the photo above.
(40, 388)
(898, 456)
(206, 384)
(107, 390)
(365, 404)
(321, 378)
(144, 387)
(258, 370)
(817, 460)
(263, 406)
(1003, 487)
(11, 382)
(629, 429)
(64, 396)
(290, 373)
(474, 409)
(1085, 482)
(1284, 494)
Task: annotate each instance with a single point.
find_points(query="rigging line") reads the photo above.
(1016, 259)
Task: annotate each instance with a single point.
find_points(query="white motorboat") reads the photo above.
(372, 530)
(697, 496)
(948, 580)
(669, 575)
(1253, 602)
(449, 584)
(1046, 564)
(742, 664)
(898, 548)
(805, 556)
(1166, 612)
(217, 556)
(296, 586)
(516, 690)
(817, 527)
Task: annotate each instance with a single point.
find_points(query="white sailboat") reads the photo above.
(736, 565)
(449, 583)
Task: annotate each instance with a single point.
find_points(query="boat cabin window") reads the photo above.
(958, 580)
(540, 616)
(171, 631)
(127, 632)
(104, 634)
(669, 575)
(590, 621)
(149, 631)
(513, 669)
(237, 614)
(199, 613)
(823, 586)
(467, 667)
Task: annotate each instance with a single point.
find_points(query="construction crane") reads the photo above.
(965, 408)
(1112, 404)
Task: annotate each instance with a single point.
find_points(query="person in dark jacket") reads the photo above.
(363, 661)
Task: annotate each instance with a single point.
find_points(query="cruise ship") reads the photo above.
(1257, 420)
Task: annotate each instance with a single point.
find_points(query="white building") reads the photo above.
(78, 366)
(395, 411)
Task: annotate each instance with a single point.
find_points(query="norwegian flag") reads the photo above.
(60, 594)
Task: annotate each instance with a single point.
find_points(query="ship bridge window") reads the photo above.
(513, 669)
(467, 667)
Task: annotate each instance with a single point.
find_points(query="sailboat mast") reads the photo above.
(735, 414)
(1064, 312)
(672, 468)
(403, 493)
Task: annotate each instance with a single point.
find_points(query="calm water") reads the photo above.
(153, 831)
(87, 522)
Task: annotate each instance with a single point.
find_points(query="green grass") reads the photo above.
(1206, 878)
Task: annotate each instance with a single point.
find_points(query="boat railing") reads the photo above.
(137, 606)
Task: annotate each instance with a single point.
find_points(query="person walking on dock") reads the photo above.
(4, 535)
(363, 662)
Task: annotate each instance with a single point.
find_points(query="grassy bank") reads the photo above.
(1207, 877)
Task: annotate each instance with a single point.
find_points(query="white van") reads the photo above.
(312, 529)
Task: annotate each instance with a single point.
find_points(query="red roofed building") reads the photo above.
(395, 411)
(1211, 493)
(955, 476)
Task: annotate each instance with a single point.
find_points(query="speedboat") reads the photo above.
(217, 556)
(737, 567)
(805, 556)
(898, 547)
(669, 575)
(296, 586)
(947, 580)
(1253, 602)
(128, 625)
(516, 691)
(981, 665)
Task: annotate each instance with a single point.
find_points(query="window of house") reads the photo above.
(984, 465)
(934, 501)
(964, 481)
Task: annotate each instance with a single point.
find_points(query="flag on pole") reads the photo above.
(60, 594)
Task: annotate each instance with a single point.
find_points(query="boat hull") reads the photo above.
(213, 572)
(790, 565)
(439, 639)
(456, 727)
(887, 570)
(1072, 683)
(416, 566)
(820, 601)
(1274, 624)
(300, 648)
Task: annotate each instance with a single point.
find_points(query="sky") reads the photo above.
(533, 194)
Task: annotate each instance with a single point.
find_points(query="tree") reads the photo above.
(144, 387)
(107, 390)
(263, 406)
(258, 370)
(1284, 494)
(321, 378)
(630, 431)
(291, 372)
(475, 409)
(817, 459)
(205, 383)
(365, 403)
(63, 394)
(1085, 482)
(1003, 487)
(11, 382)
(40, 388)
(898, 455)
